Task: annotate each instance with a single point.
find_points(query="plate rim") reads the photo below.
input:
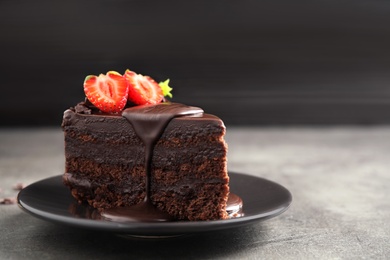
(154, 228)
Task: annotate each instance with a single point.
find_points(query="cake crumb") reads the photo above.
(19, 186)
(7, 201)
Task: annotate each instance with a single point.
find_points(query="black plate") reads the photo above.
(50, 200)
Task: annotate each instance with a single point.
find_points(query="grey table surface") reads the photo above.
(339, 178)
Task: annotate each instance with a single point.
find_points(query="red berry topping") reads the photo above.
(143, 89)
(107, 92)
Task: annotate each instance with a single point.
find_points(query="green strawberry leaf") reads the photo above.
(166, 89)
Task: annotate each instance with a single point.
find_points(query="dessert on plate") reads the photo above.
(135, 156)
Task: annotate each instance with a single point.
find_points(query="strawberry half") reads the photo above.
(107, 92)
(143, 89)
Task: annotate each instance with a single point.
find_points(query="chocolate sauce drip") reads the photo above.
(234, 206)
(141, 212)
(149, 122)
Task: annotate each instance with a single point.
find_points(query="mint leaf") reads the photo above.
(166, 89)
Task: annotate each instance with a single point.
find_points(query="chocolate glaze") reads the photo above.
(142, 212)
(149, 122)
(89, 118)
(234, 206)
(146, 212)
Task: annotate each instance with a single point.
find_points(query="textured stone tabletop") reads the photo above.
(339, 178)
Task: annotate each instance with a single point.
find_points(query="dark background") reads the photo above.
(275, 62)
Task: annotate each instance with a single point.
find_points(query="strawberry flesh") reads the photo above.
(143, 89)
(107, 92)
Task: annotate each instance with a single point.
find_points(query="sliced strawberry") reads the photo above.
(107, 92)
(143, 89)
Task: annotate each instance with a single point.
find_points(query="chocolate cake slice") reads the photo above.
(115, 160)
